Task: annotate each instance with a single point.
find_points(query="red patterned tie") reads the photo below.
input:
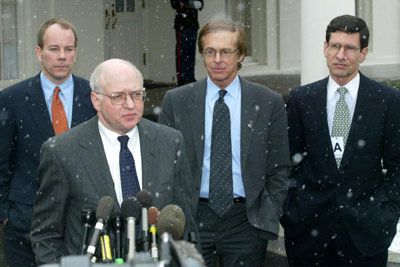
(58, 117)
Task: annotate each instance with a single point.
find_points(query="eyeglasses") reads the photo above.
(223, 53)
(348, 49)
(119, 98)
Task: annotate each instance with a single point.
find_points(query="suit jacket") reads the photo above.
(74, 173)
(263, 146)
(24, 125)
(367, 200)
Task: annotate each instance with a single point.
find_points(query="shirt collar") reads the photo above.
(232, 90)
(112, 137)
(352, 86)
(48, 86)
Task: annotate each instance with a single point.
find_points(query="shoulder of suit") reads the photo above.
(188, 88)
(81, 82)
(310, 88)
(257, 89)
(22, 86)
(378, 88)
(158, 128)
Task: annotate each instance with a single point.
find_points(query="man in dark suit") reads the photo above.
(240, 173)
(27, 120)
(91, 168)
(186, 25)
(343, 130)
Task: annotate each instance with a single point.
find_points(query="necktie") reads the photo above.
(58, 117)
(129, 180)
(221, 192)
(341, 119)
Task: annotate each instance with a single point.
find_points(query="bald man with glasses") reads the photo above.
(116, 154)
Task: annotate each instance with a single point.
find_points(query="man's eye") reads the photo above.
(117, 96)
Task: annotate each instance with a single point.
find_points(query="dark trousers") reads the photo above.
(328, 245)
(230, 240)
(17, 248)
(185, 55)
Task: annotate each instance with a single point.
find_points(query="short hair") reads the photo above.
(225, 25)
(65, 24)
(349, 24)
(95, 78)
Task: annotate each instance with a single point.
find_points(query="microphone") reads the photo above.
(130, 209)
(145, 200)
(105, 245)
(87, 217)
(153, 215)
(171, 220)
(179, 253)
(103, 212)
(118, 226)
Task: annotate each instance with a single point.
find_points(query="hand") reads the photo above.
(5, 222)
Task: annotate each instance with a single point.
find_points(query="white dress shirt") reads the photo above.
(333, 96)
(112, 148)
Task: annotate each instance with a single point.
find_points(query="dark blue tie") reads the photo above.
(220, 197)
(129, 180)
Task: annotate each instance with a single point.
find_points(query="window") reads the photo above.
(241, 12)
(8, 40)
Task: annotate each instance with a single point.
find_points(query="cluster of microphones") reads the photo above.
(141, 234)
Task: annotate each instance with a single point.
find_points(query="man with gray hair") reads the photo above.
(91, 169)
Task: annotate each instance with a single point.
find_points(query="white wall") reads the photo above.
(87, 16)
(289, 35)
(161, 41)
(383, 61)
(315, 16)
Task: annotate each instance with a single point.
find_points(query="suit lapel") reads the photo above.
(364, 105)
(37, 108)
(82, 108)
(197, 105)
(149, 154)
(248, 118)
(319, 118)
(94, 158)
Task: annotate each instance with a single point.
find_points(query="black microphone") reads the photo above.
(171, 220)
(130, 209)
(153, 216)
(118, 228)
(146, 202)
(87, 217)
(103, 212)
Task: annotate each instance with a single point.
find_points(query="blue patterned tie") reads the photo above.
(129, 180)
(221, 192)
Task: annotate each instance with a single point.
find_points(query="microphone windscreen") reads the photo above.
(104, 208)
(144, 198)
(153, 215)
(171, 220)
(130, 207)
